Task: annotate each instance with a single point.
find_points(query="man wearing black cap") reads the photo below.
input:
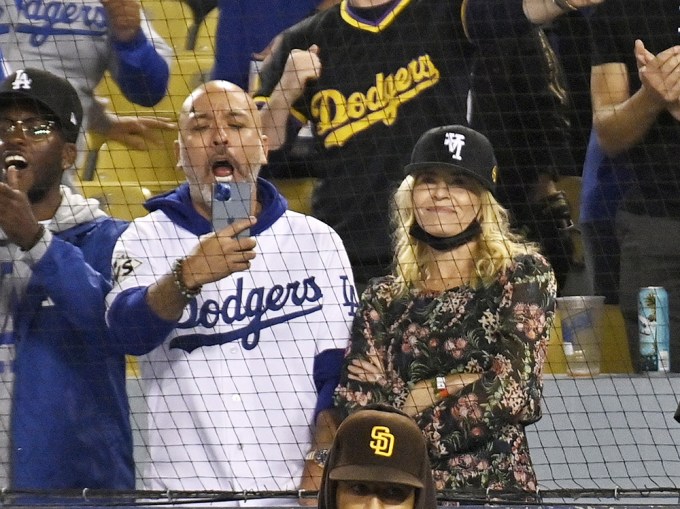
(69, 416)
(378, 458)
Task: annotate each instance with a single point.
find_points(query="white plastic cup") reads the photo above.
(582, 321)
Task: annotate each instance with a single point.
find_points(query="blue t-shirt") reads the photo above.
(604, 183)
(245, 28)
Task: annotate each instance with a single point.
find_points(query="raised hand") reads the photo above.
(16, 215)
(301, 67)
(660, 74)
(139, 133)
(124, 18)
(645, 60)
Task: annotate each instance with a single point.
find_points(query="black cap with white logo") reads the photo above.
(459, 148)
(49, 91)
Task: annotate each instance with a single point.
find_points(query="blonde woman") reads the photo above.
(457, 336)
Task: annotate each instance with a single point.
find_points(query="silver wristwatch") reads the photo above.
(318, 456)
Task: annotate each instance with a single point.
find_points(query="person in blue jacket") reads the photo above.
(69, 423)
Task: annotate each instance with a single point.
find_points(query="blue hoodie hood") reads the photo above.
(177, 205)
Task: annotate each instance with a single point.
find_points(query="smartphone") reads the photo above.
(231, 201)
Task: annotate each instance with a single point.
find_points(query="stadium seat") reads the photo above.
(615, 354)
(123, 179)
(175, 20)
(298, 192)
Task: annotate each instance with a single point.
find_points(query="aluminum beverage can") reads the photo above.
(653, 327)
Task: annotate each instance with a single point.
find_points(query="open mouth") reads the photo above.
(223, 170)
(19, 162)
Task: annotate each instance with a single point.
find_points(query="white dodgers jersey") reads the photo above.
(230, 392)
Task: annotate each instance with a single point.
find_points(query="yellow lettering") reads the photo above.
(329, 109)
(338, 118)
(392, 101)
(356, 105)
(402, 80)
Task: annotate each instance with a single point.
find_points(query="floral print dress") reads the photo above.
(476, 436)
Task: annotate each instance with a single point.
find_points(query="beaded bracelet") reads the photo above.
(187, 293)
(565, 5)
(318, 456)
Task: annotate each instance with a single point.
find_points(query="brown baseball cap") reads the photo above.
(379, 446)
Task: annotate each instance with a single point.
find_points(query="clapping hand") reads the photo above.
(661, 75)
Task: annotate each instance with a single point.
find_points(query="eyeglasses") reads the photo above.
(34, 128)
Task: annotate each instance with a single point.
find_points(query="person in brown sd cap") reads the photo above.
(456, 337)
(378, 457)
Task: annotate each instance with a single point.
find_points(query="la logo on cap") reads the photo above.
(22, 81)
(383, 441)
(455, 143)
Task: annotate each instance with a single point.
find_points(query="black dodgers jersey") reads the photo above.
(382, 85)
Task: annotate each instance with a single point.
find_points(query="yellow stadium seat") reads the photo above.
(298, 192)
(172, 20)
(126, 178)
(123, 179)
(614, 349)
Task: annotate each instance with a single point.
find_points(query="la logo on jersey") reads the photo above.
(455, 143)
(22, 81)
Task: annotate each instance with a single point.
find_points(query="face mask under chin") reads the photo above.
(446, 243)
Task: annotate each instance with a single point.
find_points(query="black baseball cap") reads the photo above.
(51, 92)
(378, 446)
(459, 148)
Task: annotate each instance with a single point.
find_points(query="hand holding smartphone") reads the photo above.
(231, 201)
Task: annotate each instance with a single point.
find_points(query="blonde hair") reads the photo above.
(497, 247)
